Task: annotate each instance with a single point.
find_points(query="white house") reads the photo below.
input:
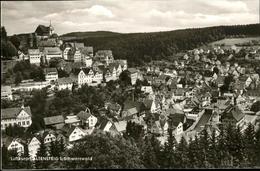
(34, 56)
(87, 119)
(75, 133)
(65, 53)
(20, 116)
(147, 89)
(77, 56)
(133, 75)
(72, 120)
(52, 52)
(85, 76)
(33, 146)
(31, 85)
(48, 137)
(51, 74)
(15, 144)
(88, 61)
(64, 83)
(6, 92)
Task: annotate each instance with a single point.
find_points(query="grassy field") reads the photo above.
(233, 41)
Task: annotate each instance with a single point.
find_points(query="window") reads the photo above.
(19, 123)
(28, 122)
(23, 123)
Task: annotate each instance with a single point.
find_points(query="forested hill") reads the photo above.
(81, 35)
(138, 48)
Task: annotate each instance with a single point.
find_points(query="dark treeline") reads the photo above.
(8, 49)
(138, 48)
(227, 148)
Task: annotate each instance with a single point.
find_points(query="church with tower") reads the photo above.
(44, 31)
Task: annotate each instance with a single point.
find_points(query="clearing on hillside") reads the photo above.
(233, 41)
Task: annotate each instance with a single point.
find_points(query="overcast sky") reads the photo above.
(126, 15)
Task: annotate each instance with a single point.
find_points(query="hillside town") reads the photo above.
(195, 91)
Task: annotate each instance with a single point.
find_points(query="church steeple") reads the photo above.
(51, 28)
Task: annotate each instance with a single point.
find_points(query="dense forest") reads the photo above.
(138, 48)
(228, 149)
(8, 49)
(83, 35)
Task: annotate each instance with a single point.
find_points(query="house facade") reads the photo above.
(19, 116)
(33, 146)
(6, 92)
(51, 74)
(34, 56)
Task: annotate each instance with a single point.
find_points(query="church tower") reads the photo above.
(51, 29)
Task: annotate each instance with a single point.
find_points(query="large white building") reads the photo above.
(64, 83)
(19, 116)
(77, 56)
(34, 56)
(52, 52)
(51, 74)
(14, 144)
(66, 53)
(88, 76)
(33, 146)
(6, 92)
(31, 85)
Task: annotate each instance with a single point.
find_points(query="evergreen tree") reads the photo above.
(54, 149)
(257, 146)
(250, 143)
(213, 160)
(181, 154)
(239, 148)
(203, 146)
(149, 157)
(25, 164)
(168, 151)
(221, 148)
(5, 157)
(194, 153)
(62, 146)
(42, 152)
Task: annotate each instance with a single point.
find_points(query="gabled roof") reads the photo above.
(175, 119)
(52, 50)
(67, 130)
(41, 29)
(48, 70)
(10, 113)
(83, 115)
(103, 53)
(53, 120)
(47, 43)
(132, 70)
(148, 103)
(6, 89)
(237, 113)
(120, 126)
(33, 51)
(87, 50)
(64, 80)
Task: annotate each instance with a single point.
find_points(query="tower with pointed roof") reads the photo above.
(51, 28)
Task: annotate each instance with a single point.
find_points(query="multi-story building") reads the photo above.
(19, 116)
(104, 56)
(77, 55)
(133, 74)
(64, 83)
(52, 52)
(6, 92)
(51, 74)
(34, 56)
(66, 53)
(31, 85)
